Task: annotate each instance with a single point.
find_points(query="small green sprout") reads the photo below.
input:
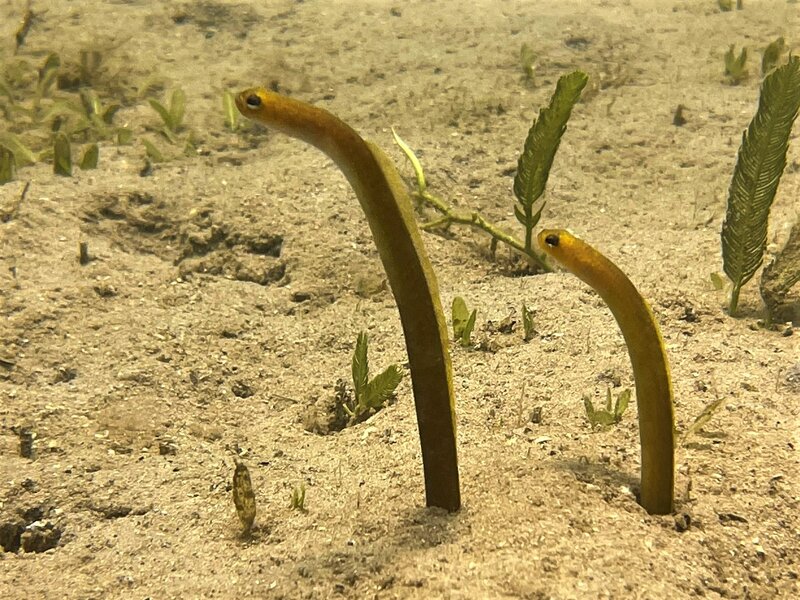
(727, 5)
(62, 156)
(735, 67)
(8, 165)
(370, 394)
(702, 419)
(124, 136)
(90, 66)
(772, 55)
(190, 145)
(24, 26)
(90, 157)
(153, 153)
(463, 321)
(603, 418)
(231, 112)
(172, 116)
(48, 74)
(100, 116)
(717, 281)
(22, 154)
(527, 58)
(527, 323)
(298, 501)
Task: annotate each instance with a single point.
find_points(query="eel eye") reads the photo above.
(551, 240)
(253, 101)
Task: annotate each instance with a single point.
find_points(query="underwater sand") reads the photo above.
(184, 342)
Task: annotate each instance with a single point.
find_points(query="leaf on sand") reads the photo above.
(360, 366)
(382, 386)
(759, 165)
(460, 316)
(621, 404)
(90, 157)
(22, 154)
(244, 497)
(177, 108)
(8, 165)
(704, 417)
(62, 156)
(463, 321)
(466, 334)
(161, 110)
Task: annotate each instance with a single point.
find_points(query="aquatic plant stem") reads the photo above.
(471, 218)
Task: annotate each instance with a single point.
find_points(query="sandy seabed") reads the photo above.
(227, 289)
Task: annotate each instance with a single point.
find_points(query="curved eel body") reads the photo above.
(648, 358)
(385, 201)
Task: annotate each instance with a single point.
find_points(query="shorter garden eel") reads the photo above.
(648, 358)
(385, 201)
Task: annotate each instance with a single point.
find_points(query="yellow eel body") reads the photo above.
(386, 203)
(648, 358)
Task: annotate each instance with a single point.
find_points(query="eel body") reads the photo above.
(386, 203)
(648, 358)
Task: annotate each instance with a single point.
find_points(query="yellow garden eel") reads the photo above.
(648, 358)
(386, 203)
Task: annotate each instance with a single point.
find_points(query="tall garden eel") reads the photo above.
(385, 201)
(648, 358)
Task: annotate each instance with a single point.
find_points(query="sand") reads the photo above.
(226, 290)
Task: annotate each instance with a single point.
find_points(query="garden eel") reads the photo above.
(648, 358)
(386, 203)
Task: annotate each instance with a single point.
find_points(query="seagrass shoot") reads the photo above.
(600, 418)
(369, 393)
(463, 322)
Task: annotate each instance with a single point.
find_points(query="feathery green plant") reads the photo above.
(370, 394)
(759, 165)
(544, 137)
(533, 170)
